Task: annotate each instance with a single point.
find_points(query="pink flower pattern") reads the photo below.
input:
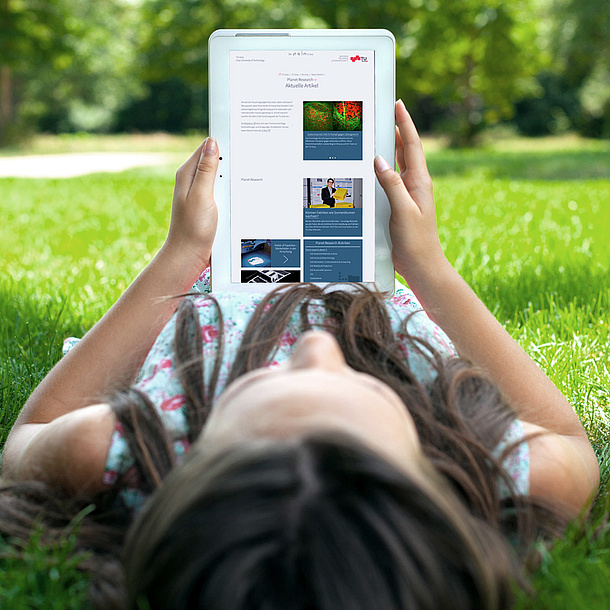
(158, 380)
(209, 333)
(172, 403)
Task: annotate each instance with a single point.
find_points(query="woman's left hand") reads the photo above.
(194, 213)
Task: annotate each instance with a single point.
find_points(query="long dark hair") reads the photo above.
(316, 523)
(460, 417)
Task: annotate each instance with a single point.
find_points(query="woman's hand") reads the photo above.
(415, 244)
(563, 466)
(54, 429)
(194, 213)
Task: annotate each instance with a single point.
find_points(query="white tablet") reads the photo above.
(299, 116)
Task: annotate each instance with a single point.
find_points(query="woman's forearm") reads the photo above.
(112, 352)
(418, 256)
(480, 338)
(559, 449)
(56, 439)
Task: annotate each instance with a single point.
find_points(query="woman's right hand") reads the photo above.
(415, 244)
(59, 437)
(194, 213)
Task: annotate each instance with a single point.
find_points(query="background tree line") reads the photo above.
(462, 65)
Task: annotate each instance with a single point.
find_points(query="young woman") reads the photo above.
(340, 453)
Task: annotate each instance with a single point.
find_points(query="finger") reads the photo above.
(414, 158)
(400, 151)
(394, 187)
(202, 184)
(186, 172)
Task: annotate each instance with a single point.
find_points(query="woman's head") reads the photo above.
(459, 418)
(314, 391)
(309, 486)
(318, 522)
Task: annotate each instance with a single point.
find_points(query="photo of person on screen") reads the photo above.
(327, 193)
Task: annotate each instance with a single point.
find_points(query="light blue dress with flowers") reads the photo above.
(157, 378)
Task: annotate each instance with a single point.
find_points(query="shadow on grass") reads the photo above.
(539, 165)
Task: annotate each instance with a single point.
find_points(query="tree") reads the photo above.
(100, 74)
(392, 15)
(175, 32)
(473, 57)
(31, 32)
(174, 51)
(67, 62)
(582, 57)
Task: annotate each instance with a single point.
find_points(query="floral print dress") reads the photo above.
(158, 381)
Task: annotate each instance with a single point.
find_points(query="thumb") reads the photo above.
(205, 173)
(392, 184)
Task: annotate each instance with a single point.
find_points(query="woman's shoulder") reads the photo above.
(561, 469)
(68, 453)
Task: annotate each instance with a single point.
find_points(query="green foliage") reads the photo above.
(68, 64)
(85, 87)
(38, 574)
(455, 52)
(31, 30)
(581, 36)
(175, 33)
(341, 14)
(575, 572)
(554, 109)
(31, 33)
(580, 31)
(173, 45)
(476, 58)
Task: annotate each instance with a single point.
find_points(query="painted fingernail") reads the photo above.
(381, 165)
(210, 147)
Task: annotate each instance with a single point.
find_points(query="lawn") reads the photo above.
(526, 222)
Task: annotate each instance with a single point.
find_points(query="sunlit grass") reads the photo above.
(526, 223)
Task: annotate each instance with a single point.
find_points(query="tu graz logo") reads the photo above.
(358, 58)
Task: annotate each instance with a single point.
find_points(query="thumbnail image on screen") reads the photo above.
(332, 131)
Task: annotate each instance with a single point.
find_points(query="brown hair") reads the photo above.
(460, 418)
(318, 523)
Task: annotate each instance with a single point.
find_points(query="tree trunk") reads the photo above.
(468, 110)
(6, 100)
(6, 87)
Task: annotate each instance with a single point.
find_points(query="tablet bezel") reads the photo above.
(220, 44)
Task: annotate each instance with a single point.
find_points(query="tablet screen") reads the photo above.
(302, 142)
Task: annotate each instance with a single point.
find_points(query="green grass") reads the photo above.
(35, 575)
(524, 221)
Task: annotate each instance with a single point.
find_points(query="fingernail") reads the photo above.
(210, 147)
(381, 165)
